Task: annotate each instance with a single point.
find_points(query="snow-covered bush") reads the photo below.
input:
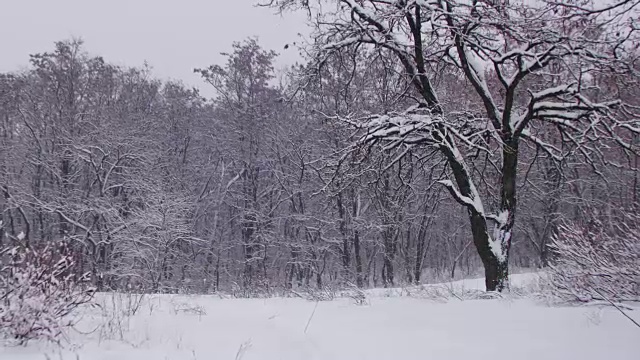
(38, 292)
(597, 261)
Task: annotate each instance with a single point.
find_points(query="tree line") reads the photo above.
(399, 152)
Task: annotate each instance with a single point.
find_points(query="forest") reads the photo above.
(417, 141)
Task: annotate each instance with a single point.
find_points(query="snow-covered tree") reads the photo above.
(534, 70)
(597, 260)
(39, 291)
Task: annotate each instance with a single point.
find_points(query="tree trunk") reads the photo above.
(346, 258)
(388, 256)
(422, 246)
(496, 273)
(356, 242)
(497, 267)
(494, 252)
(358, 257)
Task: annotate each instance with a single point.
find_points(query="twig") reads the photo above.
(311, 317)
(243, 349)
(618, 308)
(454, 294)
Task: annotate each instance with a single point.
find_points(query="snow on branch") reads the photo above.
(463, 200)
(562, 105)
(475, 71)
(597, 258)
(39, 290)
(418, 125)
(407, 128)
(550, 149)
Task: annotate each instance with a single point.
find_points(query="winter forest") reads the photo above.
(417, 142)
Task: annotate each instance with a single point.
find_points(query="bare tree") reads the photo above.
(561, 45)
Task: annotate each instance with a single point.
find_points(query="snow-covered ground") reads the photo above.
(391, 325)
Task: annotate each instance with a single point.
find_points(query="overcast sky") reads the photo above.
(174, 36)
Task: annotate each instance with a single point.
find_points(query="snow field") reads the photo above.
(388, 326)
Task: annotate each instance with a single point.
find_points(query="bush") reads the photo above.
(38, 293)
(597, 261)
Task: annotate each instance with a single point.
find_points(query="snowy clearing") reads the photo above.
(390, 326)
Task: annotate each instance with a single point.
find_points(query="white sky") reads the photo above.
(174, 36)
